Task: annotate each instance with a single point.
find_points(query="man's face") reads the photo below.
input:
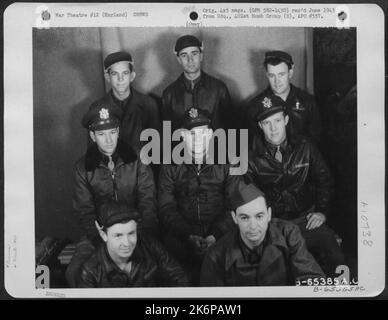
(279, 77)
(106, 140)
(190, 59)
(252, 220)
(197, 140)
(121, 239)
(274, 128)
(120, 77)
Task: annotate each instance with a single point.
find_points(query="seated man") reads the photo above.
(128, 259)
(262, 252)
(297, 182)
(109, 170)
(193, 196)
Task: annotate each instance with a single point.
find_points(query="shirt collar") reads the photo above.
(271, 148)
(236, 252)
(189, 84)
(110, 266)
(120, 103)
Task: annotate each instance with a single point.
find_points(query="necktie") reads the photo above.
(278, 155)
(111, 164)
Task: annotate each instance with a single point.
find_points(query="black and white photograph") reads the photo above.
(197, 156)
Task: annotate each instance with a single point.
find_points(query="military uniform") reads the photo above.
(281, 260)
(301, 109)
(300, 105)
(297, 185)
(148, 264)
(205, 92)
(121, 176)
(139, 110)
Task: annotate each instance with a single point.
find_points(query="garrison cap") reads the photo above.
(243, 194)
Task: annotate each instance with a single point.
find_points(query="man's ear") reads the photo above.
(233, 214)
(260, 125)
(291, 72)
(201, 55)
(286, 119)
(101, 231)
(269, 212)
(92, 136)
(106, 76)
(132, 76)
(179, 59)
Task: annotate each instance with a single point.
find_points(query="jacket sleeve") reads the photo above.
(146, 197)
(212, 272)
(323, 180)
(170, 271)
(87, 279)
(224, 222)
(303, 264)
(83, 204)
(171, 219)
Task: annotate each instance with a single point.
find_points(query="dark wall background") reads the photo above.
(335, 69)
(68, 76)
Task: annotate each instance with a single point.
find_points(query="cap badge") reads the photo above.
(104, 114)
(193, 113)
(267, 103)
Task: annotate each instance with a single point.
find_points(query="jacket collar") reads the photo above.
(124, 103)
(110, 266)
(274, 239)
(94, 157)
(259, 147)
(203, 80)
(291, 94)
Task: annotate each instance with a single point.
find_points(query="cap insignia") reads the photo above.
(193, 113)
(104, 114)
(267, 103)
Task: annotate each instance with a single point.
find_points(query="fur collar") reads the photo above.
(123, 151)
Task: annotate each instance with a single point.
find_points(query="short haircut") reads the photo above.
(131, 68)
(274, 62)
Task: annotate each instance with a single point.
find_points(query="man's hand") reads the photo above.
(210, 240)
(315, 220)
(197, 242)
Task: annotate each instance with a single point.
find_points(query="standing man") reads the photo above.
(261, 252)
(139, 111)
(194, 196)
(296, 180)
(301, 108)
(110, 169)
(195, 88)
(127, 258)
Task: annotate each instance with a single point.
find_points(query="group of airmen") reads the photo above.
(196, 224)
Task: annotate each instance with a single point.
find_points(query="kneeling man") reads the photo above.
(262, 252)
(127, 259)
